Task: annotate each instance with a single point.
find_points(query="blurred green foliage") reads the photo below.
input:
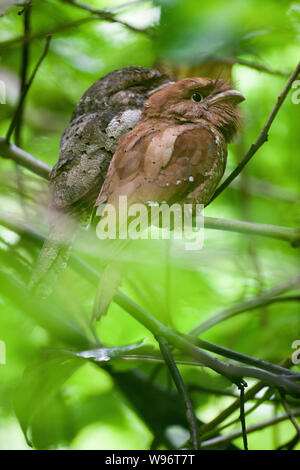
(62, 401)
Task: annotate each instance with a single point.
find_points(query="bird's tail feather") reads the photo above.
(107, 288)
(54, 255)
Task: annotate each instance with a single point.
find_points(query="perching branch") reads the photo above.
(25, 90)
(263, 136)
(22, 158)
(288, 234)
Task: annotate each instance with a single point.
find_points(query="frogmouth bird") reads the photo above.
(108, 109)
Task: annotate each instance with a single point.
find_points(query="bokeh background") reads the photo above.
(74, 404)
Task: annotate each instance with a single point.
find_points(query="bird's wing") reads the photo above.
(169, 164)
(84, 158)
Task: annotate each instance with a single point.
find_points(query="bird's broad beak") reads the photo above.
(227, 95)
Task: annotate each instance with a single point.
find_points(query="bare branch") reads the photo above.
(263, 136)
(24, 159)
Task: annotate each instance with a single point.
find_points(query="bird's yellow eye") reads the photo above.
(197, 97)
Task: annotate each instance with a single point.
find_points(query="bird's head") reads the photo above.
(194, 100)
(122, 89)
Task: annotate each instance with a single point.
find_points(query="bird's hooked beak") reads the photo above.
(161, 87)
(226, 95)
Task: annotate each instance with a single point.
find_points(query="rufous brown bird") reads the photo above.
(178, 151)
(108, 109)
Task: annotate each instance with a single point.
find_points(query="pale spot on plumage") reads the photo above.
(160, 150)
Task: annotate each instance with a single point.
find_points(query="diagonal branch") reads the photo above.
(234, 373)
(22, 158)
(104, 15)
(266, 298)
(263, 136)
(190, 414)
(290, 414)
(254, 65)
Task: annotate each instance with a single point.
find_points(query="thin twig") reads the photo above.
(269, 392)
(103, 15)
(290, 413)
(190, 414)
(216, 441)
(250, 394)
(266, 298)
(242, 415)
(263, 136)
(254, 65)
(126, 5)
(25, 91)
(290, 444)
(44, 34)
(23, 79)
(24, 70)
